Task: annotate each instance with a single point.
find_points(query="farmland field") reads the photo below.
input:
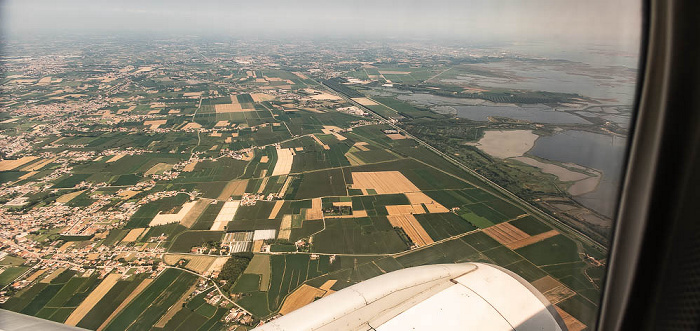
(147, 308)
(162, 184)
(188, 239)
(355, 236)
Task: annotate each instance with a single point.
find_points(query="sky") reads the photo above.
(590, 21)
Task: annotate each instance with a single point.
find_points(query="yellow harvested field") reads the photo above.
(300, 75)
(260, 265)
(285, 157)
(158, 168)
(175, 308)
(69, 196)
(199, 264)
(418, 198)
(334, 130)
(362, 146)
(53, 275)
(216, 265)
(264, 159)
(505, 233)
(127, 194)
(276, 209)
(126, 301)
(155, 123)
(405, 209)
(38, 165)
(263, 183)
(533, 239)
(96, 295)
(27, 175)
(303, 296)
(226, 214)
(116, 157)
(65, 246)
(234, 187)
(396, 136)
(260, 97)
(133, 235)
(228, 108)
(571, 322)
(359, 213)
(257, 245)
(192, 216)
(384, 182)
(44, 81)
(285, 227)
(192, 126)
(412, 228)
(320, 142)
(35, 275)
(365, 101)
(221, 123)
(316, 211)
(328, 284)
(6, 165)
(190, 166)
(436, 208)
(162, 219)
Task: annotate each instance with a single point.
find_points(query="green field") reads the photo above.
(448, 252)
(358, 236)
(10, 273)
(444, 225)
(289, 272)
(152, 303)
(109, 303)
(146, 213)
(188, 239)
(206, 219)
(557, 249)
(321, 183)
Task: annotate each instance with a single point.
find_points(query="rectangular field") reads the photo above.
(226, 214)
(412, 228)
(92, 299)
(301, 297)
(383, 182)
(285, 158)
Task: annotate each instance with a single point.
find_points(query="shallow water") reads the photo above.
(598, 151)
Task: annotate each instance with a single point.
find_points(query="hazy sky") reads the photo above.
(606, 21)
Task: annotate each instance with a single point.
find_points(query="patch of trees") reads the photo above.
(233, 268)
